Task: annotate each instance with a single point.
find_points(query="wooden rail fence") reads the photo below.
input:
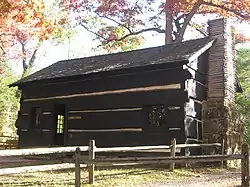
(8, 142)
(172, 159)
(92, 161)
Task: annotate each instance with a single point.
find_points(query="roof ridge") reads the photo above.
(136, 50)
(119, 60)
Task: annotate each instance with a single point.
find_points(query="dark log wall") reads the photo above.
(113, 111)
(42, 136)
(123, 111)
(197, 91)
(155, 77)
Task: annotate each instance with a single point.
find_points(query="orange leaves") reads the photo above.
(120, 23)
(226, 8)
(26, 20)
(5, 7)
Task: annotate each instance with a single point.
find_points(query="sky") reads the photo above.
(81, 45)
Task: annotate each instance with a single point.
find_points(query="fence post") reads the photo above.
(77, 167)
(245, 166)
(222, 152)
(172, 153)
(91, 167)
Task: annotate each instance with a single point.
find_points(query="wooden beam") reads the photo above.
(91, 167)
(124, 149)
(77, 168)
(40, 151)
(141, 89)
(177, 159)
(197, 145)
(38, 168)
(172, 154)
(107, 130)
(106, 110)
(201, 51)
(245, 166)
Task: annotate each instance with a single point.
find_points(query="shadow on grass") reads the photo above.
(65, 177)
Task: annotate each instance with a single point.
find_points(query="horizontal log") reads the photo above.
(198, 145)
(40, 151)
(129, 90)
(155, 77)
(106, 130)
(107, 119)
(124, 149)
(155, 160)
(38, 168)
(128, 100)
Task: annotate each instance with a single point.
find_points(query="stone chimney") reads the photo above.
(221, 66)
(219, 109)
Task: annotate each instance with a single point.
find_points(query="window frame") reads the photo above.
(35, 121)
(60, 124)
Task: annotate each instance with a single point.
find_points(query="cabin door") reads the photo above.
(60, 120)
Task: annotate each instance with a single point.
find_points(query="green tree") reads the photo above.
(9, 100)
(243, 99)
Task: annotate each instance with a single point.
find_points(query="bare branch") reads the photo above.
(177, 24)
(183, 16)
(118, 23)
(139, 32)
(111, 19)
(159, 30)
(188, 19)
(2, 49)
(24, 58)
(98, 35)
(33, 57)
(204, 33)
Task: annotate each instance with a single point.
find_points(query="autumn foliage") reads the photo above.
(104, 18)
(22, 21)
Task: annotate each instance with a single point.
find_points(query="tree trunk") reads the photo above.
(169, 21)
(31, 62)
(196, 7)
(69, 47)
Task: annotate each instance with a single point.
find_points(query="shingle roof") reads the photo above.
(143, 57)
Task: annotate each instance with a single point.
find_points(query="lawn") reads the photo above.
(103, 177)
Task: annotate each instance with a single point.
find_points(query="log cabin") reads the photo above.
(141, 97)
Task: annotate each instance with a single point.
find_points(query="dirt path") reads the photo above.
(225, 179)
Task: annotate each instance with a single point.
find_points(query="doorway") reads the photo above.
(59, 122)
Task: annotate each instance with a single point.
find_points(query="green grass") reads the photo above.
(103, 177)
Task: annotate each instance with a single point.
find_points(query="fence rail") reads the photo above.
(92, 161)
(8, 141)
(172, 159)
(40, 151)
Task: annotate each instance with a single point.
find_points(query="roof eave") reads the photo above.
(201, 51)
(179, 61)
(14, 84)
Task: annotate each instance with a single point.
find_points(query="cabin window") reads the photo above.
(156, 116)
(60, 124)
(36, 117)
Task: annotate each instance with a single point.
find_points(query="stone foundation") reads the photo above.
(222, 122)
